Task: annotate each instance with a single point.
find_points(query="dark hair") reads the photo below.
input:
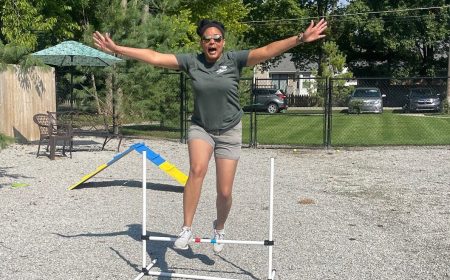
(206, 23)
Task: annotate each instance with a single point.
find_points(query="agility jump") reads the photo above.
(155, 158)
(144, 237)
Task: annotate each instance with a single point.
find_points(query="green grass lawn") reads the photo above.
(287, 129)
(156, 131)
(388, 128)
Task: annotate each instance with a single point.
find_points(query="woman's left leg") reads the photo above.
(227, 153)
(225, 173)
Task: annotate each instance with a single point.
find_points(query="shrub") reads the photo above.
(5, 140)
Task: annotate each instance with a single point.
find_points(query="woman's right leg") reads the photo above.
(200, 153)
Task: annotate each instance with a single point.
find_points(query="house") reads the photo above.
(283, 74)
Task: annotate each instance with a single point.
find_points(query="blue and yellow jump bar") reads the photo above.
(155, 158)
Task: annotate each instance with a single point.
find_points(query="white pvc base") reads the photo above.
(186, 276)
(207, 240)
(146, 268)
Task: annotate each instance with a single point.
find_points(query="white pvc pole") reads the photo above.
(271, 275)
(144, 207)
(142, 274)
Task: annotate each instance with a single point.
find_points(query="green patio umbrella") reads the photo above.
(71, 54)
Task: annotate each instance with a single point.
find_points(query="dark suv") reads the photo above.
(267, 99)
(422, 99)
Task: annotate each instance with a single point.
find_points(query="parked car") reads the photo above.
(366, 100)
(267, 99)
(422, 99)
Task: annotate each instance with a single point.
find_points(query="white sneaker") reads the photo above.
(219, 234)
(183, 239)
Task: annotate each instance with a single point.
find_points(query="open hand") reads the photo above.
(314, 32)
(104, 42)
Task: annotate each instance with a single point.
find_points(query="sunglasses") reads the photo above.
(216, 37)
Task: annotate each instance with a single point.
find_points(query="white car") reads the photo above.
(366, 100)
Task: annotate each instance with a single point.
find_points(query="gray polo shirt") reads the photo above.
(215, 85)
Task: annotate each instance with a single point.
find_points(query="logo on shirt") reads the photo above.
(222, 68)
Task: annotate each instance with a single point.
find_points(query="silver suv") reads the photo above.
(422, 99)
(267, 99)
(367, 99)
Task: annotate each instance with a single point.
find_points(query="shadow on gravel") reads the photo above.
(132, 183)
(158, 250)
(86, 145)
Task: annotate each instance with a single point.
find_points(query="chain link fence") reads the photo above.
(414, 112)
(411, 111)
(318, 114)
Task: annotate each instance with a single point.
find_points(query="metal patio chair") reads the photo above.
(51, 132)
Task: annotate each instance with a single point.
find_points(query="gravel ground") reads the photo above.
(372, 213)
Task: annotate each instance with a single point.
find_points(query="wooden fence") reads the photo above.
(22, 95)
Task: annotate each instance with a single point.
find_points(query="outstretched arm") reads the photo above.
(312, 33)
(105, 43)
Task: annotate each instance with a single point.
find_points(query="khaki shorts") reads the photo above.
(227, 144)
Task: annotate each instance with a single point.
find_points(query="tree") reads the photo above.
(20, 22)
(273, 20)
(230, 12)
(395, 38)
(30, 23)
(167, 26)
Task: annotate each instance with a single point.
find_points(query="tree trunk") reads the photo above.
(145, 11)
(118, 110)
(123, 4)
(109, 95)
(94, 91)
